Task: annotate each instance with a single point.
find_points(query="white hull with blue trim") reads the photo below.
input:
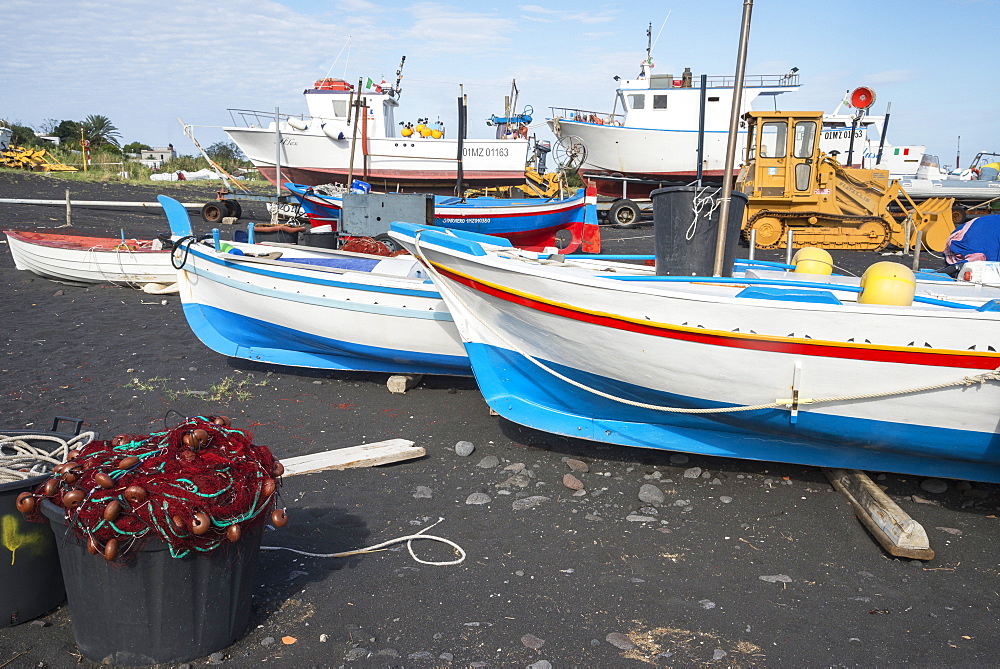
(316, 309)
(562, 348)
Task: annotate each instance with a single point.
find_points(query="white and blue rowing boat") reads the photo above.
(754, 366)
(309, 307)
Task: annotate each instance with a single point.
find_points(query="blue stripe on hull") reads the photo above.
(522, 392)
(252, 339)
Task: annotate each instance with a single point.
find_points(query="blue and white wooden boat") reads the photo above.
(569, 224)
(309, 307)
(759, 368)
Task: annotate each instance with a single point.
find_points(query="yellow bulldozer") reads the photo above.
(792, 185)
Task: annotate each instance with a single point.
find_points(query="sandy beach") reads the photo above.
(732, 563)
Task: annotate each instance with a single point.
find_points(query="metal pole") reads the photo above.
(701, 127)
(462, 120)
(753, 242)
(734, 121)
(850, 145)
(277, 163)
(881, 140)
(69, 220)
(354, 138)
(788, 246)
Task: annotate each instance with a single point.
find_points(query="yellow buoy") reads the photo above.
(437, 134)
(425, 132)
(813, 260)
(406, 132)
(888, 283)
(420, 127)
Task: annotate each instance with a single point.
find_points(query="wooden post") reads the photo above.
(916, 250)
(400, 383)
(892, 527)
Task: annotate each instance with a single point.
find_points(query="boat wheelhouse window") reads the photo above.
(389, 117)
(805, 140)
(773, 136)
(340, 108)
(636, 101)
(659, 102)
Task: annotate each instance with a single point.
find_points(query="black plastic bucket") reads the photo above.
(322, 240)
(278, 237)
(151, 608)
(32, 583)
(686, 224)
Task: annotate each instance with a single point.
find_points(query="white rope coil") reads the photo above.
(21, 460)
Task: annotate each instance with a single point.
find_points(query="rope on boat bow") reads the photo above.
(794, 403)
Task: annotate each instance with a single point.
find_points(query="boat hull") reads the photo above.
(304, 317)
(77, 259)
(532, 224)
(388, 164)
(541, 349)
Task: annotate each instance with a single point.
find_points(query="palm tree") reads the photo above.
(100, 131)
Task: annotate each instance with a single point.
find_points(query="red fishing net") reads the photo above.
(371, 247)
(193, 487)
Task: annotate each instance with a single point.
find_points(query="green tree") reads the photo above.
(136, 147)
(22, 135)
(100, 131)
(68, 132)
(225, 152)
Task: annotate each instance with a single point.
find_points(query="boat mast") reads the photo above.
(734, 120)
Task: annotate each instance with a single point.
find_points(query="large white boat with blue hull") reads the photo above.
(802, 372)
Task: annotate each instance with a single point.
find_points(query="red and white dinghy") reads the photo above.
(78, 259)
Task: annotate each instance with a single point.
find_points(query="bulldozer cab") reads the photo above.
(782, 156)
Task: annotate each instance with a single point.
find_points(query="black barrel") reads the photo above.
(322, 240)
(151, 608)
(276, 236)
(685, 225)
(32, 583)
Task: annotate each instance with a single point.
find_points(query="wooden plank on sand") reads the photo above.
(892, 527)
(365, 455)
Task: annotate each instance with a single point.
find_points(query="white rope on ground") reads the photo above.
(409, 539)
(21, 460)
(982, 378)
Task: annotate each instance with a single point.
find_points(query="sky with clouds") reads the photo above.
(143, 63)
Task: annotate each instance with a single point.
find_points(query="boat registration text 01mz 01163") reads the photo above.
(481, 151)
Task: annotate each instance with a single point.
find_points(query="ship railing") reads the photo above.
(587, 116)
(249, 118)
(749, 81)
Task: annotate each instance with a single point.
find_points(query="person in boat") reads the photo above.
(990, 172)
(979, 239)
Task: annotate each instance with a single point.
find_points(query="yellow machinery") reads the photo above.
(23, 158)
(793, 185)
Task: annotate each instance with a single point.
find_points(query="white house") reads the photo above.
(156, 156)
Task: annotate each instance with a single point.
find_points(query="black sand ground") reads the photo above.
(694, 587)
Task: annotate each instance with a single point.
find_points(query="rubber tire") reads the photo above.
(959, 215)
(214, 212)
(235, 210)
(389, 241)
(624, 214)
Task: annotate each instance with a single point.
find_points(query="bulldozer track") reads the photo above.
(800, 220)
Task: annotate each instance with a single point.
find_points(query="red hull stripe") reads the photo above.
(770, 344)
